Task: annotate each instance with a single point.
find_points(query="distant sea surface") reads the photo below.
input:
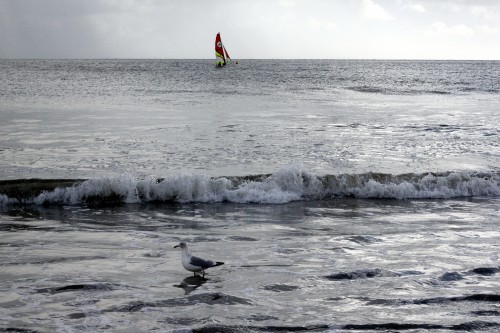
(342, 195)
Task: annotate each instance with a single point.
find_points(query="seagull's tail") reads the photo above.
(218, 263)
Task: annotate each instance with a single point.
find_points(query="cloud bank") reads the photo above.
(391, 29)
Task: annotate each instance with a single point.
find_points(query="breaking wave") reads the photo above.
(286, 185)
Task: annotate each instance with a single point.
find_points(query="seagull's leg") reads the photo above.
(203, 273)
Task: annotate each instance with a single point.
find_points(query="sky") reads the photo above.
(253, 29)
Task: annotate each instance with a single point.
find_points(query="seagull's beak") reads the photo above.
(176, 246)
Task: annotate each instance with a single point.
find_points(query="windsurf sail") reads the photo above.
(220, 60)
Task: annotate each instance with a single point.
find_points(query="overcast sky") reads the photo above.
(338, 29)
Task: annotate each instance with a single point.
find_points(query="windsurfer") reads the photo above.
(221, 56)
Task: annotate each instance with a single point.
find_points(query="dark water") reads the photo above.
(343, 196)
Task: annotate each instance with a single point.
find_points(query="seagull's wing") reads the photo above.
(197, 261)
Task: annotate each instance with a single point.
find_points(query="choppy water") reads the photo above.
(74, 119)
(341, 195)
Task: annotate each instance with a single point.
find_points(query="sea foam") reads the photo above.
(288, 184)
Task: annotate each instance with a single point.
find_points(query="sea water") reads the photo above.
(342, 195)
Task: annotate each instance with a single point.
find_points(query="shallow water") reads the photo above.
(337, 265)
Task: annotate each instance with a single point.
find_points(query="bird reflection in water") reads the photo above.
(191, 283)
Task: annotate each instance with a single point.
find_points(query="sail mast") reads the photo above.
(226, 54)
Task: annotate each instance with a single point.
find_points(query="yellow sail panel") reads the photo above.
(219, 59)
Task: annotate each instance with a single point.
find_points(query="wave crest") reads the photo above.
(286, 185)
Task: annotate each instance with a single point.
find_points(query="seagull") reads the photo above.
(195, 264)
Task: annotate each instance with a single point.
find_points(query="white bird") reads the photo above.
(193, 263)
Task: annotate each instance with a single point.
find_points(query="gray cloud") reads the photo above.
(250, 29)
(50, 29)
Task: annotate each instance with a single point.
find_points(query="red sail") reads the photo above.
(219, 51)
(227, 54)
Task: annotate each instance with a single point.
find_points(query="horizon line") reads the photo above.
(234, 59)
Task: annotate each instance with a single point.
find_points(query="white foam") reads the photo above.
(123, 186)
(5, 200)
(288, 184)
(430, 186)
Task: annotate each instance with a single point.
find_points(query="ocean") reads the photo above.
(342, 195)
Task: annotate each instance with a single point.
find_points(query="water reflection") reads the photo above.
(191, 283)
